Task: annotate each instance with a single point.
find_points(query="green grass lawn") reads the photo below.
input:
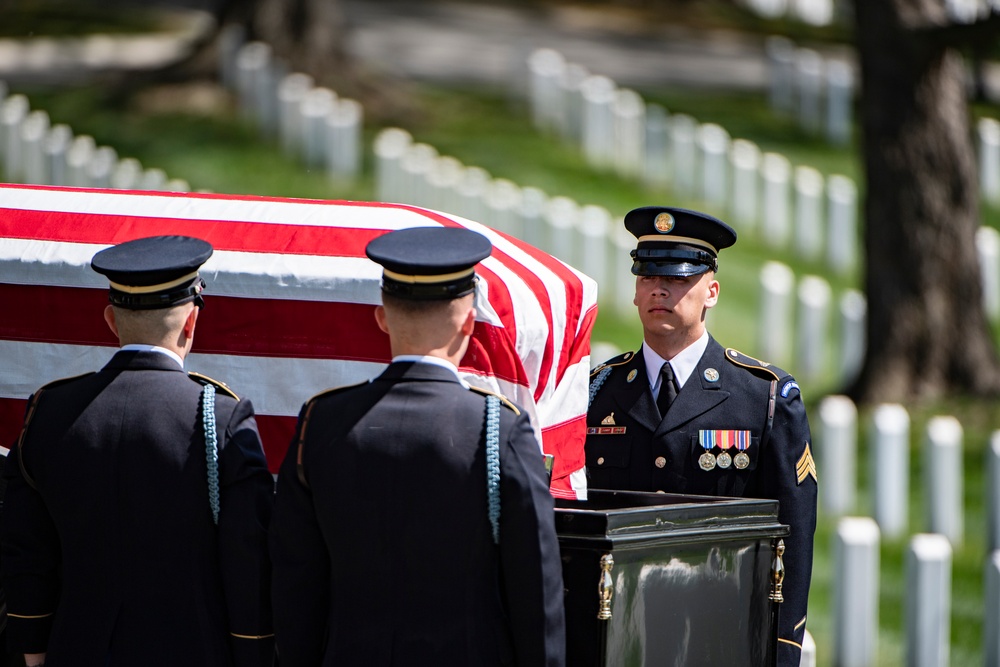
(218, 152)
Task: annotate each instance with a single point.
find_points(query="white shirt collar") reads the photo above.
(435, 361)
(137, 347)
(683, 363)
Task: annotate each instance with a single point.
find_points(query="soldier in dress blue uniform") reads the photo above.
(136, 511)
(685, 415)
(413, 522)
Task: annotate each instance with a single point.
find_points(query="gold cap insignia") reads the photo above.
(663, 223)
(806, 466)
(609, 420)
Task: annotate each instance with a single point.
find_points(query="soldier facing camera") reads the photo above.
(685, 415)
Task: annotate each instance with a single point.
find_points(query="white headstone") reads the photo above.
(231, 38)
(570, 118)
(102, 164)
(601, 351)
(177, 185)
(13, 111)
(808, 658)
(656, 173)
(80, 153)
(928, 601)
(991, 619)
(55, 150)
(291, 91)
(623, 285)
(545, 69)
(993, 492)
(34, 130)
(889, 447)
(533, 202)
(777, 283)
(841, 223)
(442, 180)
(598, 121)
(781, 73)
(629, 116)
(853, 320)
(988, 249)
(837, 450)
(855, 593)
(594, 224)
(344, 126)
(809, 86)
(839, 102)
(253, 62)
(813, 12)
(317, 105)
(685, 153)
(775, 217)
(503, 204)
(745, 158)
(389, 147)
(127, 174)
(561, 214)
(988, 130)
(416, 164)
(153, 179)
(471, 192)
(942, 467)
(808, 213)
(811, 346)
(713, 148)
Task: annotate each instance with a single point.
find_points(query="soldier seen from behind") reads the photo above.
(138, 497)
(413, 521)
(685, 415)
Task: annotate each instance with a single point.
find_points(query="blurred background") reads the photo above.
(854, 146)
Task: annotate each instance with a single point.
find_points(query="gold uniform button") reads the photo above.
(600, 460)
(660, 462)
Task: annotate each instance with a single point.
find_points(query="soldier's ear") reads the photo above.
(109, 317)
(469, 324)
(380, 318)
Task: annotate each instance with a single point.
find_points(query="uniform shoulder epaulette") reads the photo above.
(612, 362)
(218, 384)
(334, 390)
(755, 365)
(503, 399)
(62, 381)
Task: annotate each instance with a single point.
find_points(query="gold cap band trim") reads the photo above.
(251, 636)
(440, 278)
(149, 289)
(12, 614)
(678, 239)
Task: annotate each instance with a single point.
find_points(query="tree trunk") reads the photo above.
(927, 330)
(307, 34)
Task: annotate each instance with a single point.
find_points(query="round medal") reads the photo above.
(724, 460)
(742, 460)
(707, 461)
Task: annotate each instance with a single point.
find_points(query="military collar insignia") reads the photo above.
(631, 375)
(711, 375)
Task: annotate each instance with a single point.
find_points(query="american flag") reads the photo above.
(289, 305)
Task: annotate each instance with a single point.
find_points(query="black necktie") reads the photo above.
(668, 389)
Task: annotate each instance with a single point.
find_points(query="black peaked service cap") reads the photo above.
(426, 263)
(676, 241)
(154, 272)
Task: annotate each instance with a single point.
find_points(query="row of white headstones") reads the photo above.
(929, 555)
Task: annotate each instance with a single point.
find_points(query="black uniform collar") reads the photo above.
(409, 370)
(141, 360)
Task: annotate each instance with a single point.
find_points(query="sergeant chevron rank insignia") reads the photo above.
(806, 466)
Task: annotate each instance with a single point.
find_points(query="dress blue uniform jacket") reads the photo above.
(727, 391)
(110, 553)
(381, 541)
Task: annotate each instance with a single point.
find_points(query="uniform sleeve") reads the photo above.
(301, 569)
(246, 501)
(29, 560)
(788, 474)
(529, 552)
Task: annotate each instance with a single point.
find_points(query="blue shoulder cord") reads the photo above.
(211, 448)
(595, 384)
(493, 463)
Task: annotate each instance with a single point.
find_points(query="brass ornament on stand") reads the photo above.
(605, 588)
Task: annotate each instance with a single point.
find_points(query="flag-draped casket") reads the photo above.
(289, 305)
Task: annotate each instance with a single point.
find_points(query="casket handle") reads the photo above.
(777, 573)
(605, 588)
